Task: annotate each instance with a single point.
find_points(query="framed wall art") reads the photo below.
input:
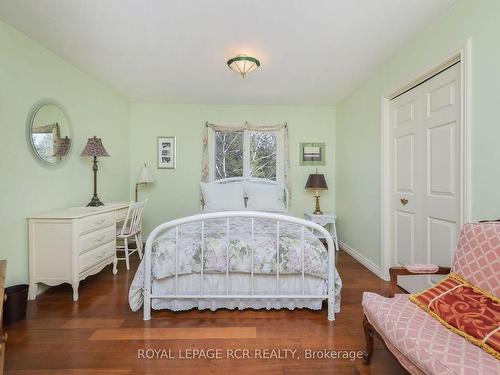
(311, 154)
(166, 153)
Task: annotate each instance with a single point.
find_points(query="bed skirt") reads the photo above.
(240, 284)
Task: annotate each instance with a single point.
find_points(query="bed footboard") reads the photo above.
(277, 218)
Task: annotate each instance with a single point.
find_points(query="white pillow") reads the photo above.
(262, 197)
(222, 197)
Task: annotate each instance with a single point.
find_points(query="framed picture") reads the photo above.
(311, 154)
(166, 153)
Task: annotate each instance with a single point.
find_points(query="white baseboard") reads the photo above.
(362, 259)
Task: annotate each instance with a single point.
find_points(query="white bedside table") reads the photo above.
(326, 220)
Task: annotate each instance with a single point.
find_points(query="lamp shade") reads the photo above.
(146, 175)
(243, 64)
(63, 147)
(316, 181)
(94, 147)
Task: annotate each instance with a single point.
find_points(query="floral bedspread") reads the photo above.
(240, 246)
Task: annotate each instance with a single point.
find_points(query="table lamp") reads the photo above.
(145, 178)
(94, 148)
(316, 182)
(62, 147)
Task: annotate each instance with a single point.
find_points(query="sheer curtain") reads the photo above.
(206, 167)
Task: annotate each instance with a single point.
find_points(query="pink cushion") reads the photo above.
(428, 346)
(477, 258)
(422, 268)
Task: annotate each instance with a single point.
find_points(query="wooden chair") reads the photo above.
(131, 229)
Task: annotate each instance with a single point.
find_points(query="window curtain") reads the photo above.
(205, 174)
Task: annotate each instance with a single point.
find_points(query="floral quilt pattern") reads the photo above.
(217, 243)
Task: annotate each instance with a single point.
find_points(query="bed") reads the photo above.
(237, 255)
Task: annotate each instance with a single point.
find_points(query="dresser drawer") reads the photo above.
(98, 238)
(94, 257)
(95, 222)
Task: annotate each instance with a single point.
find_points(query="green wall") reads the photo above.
(28, 73)
(359, 116)
(176, 192)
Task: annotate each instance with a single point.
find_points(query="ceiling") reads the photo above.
(175, 51)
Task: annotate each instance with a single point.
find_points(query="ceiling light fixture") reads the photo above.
(243, 64)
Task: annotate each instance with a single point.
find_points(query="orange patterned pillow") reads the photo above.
(466, 310)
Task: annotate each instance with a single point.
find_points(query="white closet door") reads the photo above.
(407, 170)
(426, 173)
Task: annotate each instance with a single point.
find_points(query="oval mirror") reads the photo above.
(49, 132)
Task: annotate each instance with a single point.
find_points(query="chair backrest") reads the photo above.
(477, 258)
(132, 223)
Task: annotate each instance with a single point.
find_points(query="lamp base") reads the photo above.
(317, 210)
(137, 189)
(95, 202)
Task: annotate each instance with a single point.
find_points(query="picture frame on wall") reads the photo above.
(167, 153)
(312, 154)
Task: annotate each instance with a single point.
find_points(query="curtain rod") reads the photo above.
(207, 124)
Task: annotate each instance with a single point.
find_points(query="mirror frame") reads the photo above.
(29, 123)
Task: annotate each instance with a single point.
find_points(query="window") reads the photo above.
(248, 153)
(263, 155)
(44, 145)
(228, 154)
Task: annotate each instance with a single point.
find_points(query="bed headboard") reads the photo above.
(255, 180)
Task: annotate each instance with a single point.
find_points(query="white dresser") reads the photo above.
(67, 246)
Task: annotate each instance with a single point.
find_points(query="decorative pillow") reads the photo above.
(466, 310)
(262, 197)
(222, 197)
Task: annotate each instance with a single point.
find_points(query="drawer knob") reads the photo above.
(99, 222)
(100, 238)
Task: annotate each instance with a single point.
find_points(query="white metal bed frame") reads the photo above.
(278, 218)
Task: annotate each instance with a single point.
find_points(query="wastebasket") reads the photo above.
(14, 308)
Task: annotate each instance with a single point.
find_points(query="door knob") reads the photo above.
(404, 201)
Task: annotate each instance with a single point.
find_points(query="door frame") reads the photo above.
(464, 56)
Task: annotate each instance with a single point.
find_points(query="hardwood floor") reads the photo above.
(99, 334)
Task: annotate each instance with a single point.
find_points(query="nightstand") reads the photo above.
(326, 220)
